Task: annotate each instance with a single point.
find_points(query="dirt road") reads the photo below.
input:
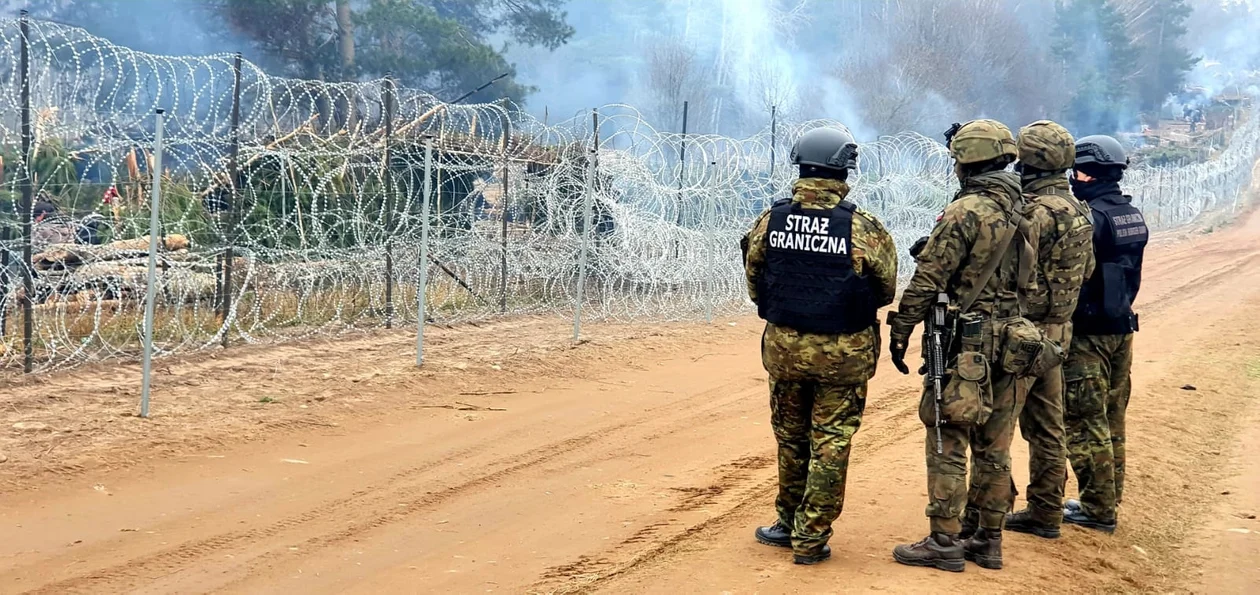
(640, 461)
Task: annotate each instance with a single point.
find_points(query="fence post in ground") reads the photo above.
(230, 209)
(774, 135)
(682, 171)
(586, 227)
(388, 205)
(503, 205)
(423, 282)
(4, 279)
(710, 227)
(150, 292)
(28, 281)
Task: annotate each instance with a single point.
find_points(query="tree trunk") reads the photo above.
(345, 36)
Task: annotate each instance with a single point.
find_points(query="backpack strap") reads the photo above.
(1017, 222)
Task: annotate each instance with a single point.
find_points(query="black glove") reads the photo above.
(897, 348)
(917, 247)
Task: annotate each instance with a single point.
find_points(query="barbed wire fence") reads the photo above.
(294, 209)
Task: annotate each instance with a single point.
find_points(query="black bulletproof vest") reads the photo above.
(809, 283)
(1120, 235)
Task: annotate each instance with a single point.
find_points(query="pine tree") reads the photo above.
(1099, 60)
(1165, 61)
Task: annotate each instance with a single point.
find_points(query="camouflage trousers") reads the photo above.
(814, 423)
(1041, 424)
(990, 491)
(1096, 397)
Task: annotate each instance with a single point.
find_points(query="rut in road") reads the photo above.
(649, 468)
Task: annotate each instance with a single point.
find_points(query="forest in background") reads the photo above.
(883, 66)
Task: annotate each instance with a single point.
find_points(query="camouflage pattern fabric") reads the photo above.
(1041, 424)
(818, 382)
(837, 359)
(989, 489)
(1097, 395)
(814, 424)
(982, 140)
(1063, 228)
(1065, 258)
(959, 246)
(873, 250)
(952, 261)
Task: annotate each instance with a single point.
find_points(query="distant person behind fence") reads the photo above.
(818, 269)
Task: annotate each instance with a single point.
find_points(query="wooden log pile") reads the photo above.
(80, 273)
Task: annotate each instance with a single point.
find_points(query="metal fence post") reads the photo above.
(230, 211)
(586, 227)
(28, 281)
(150, 293)
(422, 290)
(503, 205)
(388, 205)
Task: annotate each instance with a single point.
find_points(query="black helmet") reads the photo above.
(1101, 149)
(830, 148)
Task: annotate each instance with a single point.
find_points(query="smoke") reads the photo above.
(1223, 35)
(167, 27)
(879, 66)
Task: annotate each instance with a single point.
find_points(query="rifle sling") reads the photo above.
(991, 266)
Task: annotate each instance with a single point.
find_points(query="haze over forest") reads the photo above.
(880, 66)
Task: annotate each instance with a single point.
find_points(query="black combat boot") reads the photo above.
(778, 535)
(939, 550)
(1079, 518)
(810, 559)
(985, 548)
(970, 522)
(1025, 521)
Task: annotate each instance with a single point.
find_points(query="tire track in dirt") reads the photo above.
(1092, 562)
(741, 487)
(385, 498)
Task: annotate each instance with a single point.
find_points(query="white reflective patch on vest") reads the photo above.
(1130, 219)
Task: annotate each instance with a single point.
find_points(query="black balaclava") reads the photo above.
(1106, 181)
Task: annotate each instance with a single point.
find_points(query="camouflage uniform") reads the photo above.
(1065, 258)
(951, 262)
(818, 382)
(1097, 376)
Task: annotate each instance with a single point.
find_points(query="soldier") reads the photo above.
(971, 258)
(818, 269)
(1065, 258)
(1097, 369)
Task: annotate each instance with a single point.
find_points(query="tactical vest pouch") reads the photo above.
(1025, 351)
(967, 400)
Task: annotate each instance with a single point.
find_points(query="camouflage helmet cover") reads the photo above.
(1047, 146)
(982, 140)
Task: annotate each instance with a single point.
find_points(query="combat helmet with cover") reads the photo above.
(978, 141)
(1046, 146)
(828, 148)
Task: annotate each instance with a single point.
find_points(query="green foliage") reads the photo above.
(438, 45)
(1165, 61)
(441, 46)
(1093, 44)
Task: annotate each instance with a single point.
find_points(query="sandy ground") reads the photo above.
(639, 461)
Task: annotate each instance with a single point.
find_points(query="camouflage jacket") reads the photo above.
(1063, 229)
(787, 353)
(959, 247)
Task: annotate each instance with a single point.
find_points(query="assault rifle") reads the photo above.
(937, 337)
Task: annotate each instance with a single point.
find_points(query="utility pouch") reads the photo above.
(968, 398)
(1025, 351)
